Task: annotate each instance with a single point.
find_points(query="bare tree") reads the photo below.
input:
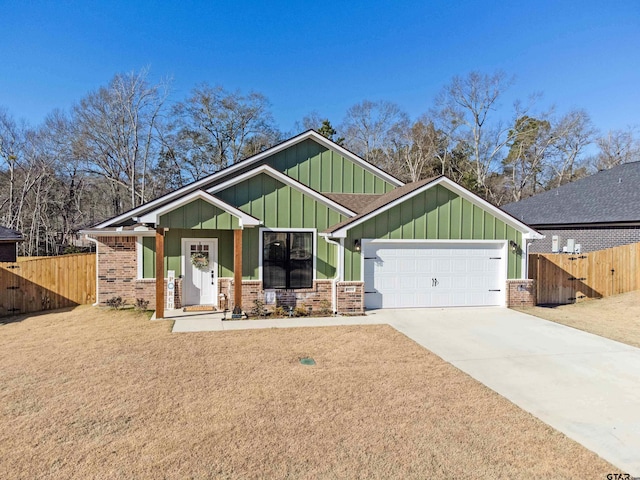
(617, 147)
(311, 121)
(215, 128)
(117, 134)
(12, 145)
(530, 142)
(465, 104)
(69, 196)
(26, 179)
(370, 128)
(572, 134)
(416, 147)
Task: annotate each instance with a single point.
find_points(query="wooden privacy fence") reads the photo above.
(47, 283)
(569, 278)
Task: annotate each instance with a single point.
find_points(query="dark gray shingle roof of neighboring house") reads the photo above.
(608, 196)
(8, 234)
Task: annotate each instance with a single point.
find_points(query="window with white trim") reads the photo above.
(287, 260)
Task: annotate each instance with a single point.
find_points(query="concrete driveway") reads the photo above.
(585, 386)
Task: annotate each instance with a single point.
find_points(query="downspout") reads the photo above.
(338, 276)
(97, 277)
(527, 244)
(528, 240)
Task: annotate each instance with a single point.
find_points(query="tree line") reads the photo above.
(126, 143)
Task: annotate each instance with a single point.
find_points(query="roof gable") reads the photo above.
(243, 166)
(281, 177)
(410, 190)
(609, 196)
(154, 216)
(329, 170)
(281, 205)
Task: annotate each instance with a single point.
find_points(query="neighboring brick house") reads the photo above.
(595, 212)
(9, 244)
(309, 223)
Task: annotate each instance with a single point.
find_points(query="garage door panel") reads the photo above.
(433, 275)
(386, 283)
(442, 265)
(407, 265)
(459, 265)
(409, 282)
(476, 283)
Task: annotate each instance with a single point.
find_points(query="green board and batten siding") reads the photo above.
(197, 219)
(173, 251)
(436, 214)
(149, 257)
(308, 162)
(326, 171)
(280, 206)
(199, 215)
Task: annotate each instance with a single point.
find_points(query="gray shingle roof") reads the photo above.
(356, 202)
(609, 196)
(9, 235)
(383, 200)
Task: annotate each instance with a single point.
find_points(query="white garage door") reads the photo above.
(398, 275)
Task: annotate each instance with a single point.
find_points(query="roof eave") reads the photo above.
(461, 191)
(273, 173)
(253, 159)
(244, 219)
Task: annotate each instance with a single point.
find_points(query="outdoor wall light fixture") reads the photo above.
(513, 245)
(356, 245)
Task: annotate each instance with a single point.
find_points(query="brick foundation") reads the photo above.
(350, 297)
(117, 269)
(118, 273)
(146, 289)
(521, 293)
(317, 298)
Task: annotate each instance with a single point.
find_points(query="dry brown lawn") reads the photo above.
(617, 317)
(89, 393)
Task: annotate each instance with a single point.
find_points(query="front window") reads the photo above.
(287, 260)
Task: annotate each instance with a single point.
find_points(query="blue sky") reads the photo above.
(325, 56)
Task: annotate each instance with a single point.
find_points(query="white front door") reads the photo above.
(200, 269)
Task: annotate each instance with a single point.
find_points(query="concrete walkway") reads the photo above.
(585, 386)
(213, 322)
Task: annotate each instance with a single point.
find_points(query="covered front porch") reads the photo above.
(201, 239)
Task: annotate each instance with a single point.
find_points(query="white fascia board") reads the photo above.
(256, 158)
(119, 233)
(245, 220)
(454, 187)
(281, 177)
(533, 235)
(199, 183)
(476, 200)
(175, 194)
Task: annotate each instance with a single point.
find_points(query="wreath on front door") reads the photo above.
(200, 260)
